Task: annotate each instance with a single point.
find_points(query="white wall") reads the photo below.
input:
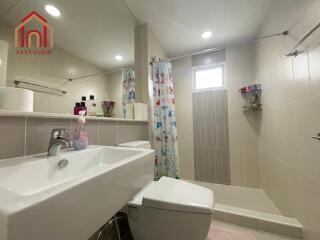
(147, 47)
(115, 93)
(3, 62)
(154, 50)
(243, 128)
(290, 158)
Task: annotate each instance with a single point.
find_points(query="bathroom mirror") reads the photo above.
(49, 43)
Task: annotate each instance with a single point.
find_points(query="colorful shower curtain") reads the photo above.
(128, 89)
(165, 129)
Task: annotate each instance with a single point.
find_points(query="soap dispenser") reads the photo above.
(80, 134)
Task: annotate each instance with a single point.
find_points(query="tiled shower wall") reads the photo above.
(211, 137)
(243, 128)
(290, 158)
(25, 136)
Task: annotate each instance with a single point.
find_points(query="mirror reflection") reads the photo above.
(73, 55)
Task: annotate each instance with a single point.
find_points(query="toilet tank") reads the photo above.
(136, 144)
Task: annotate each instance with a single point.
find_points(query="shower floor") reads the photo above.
(241, 197)
(251, 208)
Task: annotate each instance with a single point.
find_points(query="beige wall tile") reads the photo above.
(107, 133)
(34, 138)
(128, 132)
(289, 156)
(244, 128)
(314, 56)
(186, 162)
(39, 132)
(13, 137)
(243, 132)
(245, 168)
(139, 131)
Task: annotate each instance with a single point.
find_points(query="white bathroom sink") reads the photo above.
(38, 198)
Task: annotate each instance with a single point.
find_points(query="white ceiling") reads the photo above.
(94, 30)
(178, 24)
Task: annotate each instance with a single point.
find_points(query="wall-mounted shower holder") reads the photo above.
(252, 97)
(317, 137)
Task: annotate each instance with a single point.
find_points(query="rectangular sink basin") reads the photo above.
(38, 198)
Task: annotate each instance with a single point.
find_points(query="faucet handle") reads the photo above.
(59, 132)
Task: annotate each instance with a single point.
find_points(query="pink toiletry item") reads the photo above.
(80, 134)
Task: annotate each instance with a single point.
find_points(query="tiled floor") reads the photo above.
(244, 233)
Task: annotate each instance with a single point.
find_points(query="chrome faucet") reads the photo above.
(59, 137)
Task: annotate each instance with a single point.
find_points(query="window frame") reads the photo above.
(208, 67)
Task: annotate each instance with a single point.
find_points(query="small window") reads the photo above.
(208, 78)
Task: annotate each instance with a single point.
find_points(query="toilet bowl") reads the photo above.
(171, 209)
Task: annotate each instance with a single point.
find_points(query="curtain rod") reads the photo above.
(99, 74)
(192, 54)
(284, 33)
(293, 51)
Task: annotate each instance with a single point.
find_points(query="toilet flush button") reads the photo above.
(133, 213)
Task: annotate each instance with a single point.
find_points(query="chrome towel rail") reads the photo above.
(18, 82)
(293, 51)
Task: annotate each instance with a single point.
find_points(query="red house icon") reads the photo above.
(41, 36)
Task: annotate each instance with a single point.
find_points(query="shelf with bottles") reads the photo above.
(252, 97)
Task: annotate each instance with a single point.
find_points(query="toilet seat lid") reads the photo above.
(178, 195)
(136, 144)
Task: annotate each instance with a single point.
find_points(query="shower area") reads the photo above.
(219, 134)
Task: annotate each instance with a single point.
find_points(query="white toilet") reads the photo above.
(170, 209)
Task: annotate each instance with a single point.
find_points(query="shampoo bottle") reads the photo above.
(76, 109)
(80, 134)
(92, 107)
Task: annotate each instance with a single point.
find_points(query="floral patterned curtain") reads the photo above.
(165, 129)
(128, 89)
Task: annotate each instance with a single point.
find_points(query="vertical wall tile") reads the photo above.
(107, 133)
(12, 131)
(39, 132)
(211, 137)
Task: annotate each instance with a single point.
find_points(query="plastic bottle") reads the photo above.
(83, 108)
(76, 109)
(80, 134)
(92, 106)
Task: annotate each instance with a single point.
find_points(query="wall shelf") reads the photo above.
(8, 113)
(252, 97)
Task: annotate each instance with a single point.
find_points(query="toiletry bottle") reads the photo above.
(92, 106)
(83, 108)
(76, 109)
(80, 134)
